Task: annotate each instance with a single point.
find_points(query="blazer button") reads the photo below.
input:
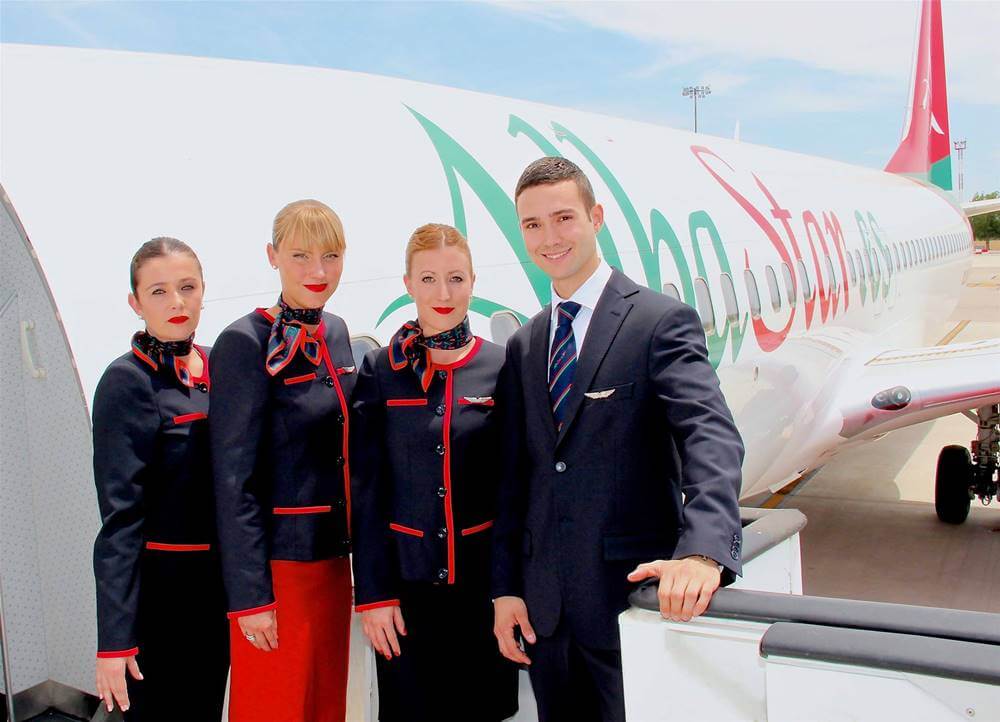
(340, 461)
(340, 418)
(442, 574)
(439, 410)
(560, 466)
(203, 387)
(339, 503)
(443, 375)
(442, 533)
(442, 492)
(440, 449)
(328, 380)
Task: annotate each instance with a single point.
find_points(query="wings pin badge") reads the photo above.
(478, 399)
(599, 394)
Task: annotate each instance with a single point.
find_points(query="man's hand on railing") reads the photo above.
(686, 585)
(510, 612)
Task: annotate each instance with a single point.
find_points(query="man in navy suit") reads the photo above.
(622, 461)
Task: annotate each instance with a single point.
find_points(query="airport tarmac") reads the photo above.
(872, 532)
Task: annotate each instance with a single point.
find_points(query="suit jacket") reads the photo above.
(279, 455)
(424, 488)
(646, 422)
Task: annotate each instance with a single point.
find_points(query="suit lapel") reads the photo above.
(610, 312)
(537, 372)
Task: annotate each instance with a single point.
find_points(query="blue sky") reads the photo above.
(825, 78)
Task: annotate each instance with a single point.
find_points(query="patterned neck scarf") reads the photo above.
(169, 354)
(409, 347)
(289, 336)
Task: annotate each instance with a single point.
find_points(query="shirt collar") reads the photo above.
(589, 293)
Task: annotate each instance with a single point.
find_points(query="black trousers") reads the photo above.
(450, 669)
(575, 683)
(183, 639)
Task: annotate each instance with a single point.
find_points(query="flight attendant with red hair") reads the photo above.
(279, 432)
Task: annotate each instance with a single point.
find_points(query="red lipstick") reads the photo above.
(179, 319)
(443, 310)
(316, 287)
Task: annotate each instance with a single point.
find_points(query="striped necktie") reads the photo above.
(562, 360)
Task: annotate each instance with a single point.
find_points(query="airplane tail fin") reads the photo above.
(925, 151)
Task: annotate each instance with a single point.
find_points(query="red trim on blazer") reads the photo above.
(464, 401)
(299, 379)
(449, 519)
(346, 370)
(265, 313)
(161, 547)
(143, 357)
(253, 610)
(344, 408)
(478, 344)
(301, 509)
(477, 528)
(205, 377)
(406, 402)
(116, 655)
(405, 529)
(376, 605)
(188, 418)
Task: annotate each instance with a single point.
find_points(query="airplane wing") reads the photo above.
(978, 208)
(907, 386)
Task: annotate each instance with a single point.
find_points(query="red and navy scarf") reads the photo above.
(289, 336)
(409, 347)
(167, 354)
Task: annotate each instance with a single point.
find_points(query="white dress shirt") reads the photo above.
(587, 295)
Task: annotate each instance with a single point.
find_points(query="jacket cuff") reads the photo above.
(119, 653)
(376, 605)
(253, 610)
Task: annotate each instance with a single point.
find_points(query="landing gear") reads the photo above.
(962, 475)
(953, 485)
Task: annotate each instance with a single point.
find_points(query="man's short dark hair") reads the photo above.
(551, 169)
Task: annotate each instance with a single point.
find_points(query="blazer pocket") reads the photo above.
(405, 529)
(644, 547)
(405, 402)
(611, 393)
(304, 378)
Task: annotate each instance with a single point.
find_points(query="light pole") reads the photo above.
(960, 151)
(694, 92)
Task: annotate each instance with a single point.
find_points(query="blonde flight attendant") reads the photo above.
(279, 433)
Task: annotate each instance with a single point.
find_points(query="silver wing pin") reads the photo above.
(599, 394)
(478, 399)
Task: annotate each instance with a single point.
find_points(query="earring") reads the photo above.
(274, 267)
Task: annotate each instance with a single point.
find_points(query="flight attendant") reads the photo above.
(424, 482)
(155, 558)
(279, 433)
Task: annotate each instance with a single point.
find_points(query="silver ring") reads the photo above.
(250, 637)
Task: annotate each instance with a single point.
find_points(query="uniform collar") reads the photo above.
(589, 293)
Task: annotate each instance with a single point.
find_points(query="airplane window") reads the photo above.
(503, 325)
(360, 345)
(705, 310)
(729, 299)
(772, 287)
(670, 289)
(854, 272)
(807, 291)
(831, 275)
(753, 294)
(786, 273)
(923, 250)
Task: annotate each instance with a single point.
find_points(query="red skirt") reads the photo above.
(305, 678)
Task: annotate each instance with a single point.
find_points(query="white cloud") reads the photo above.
(874, 39)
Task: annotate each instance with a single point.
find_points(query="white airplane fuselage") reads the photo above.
(104, 150)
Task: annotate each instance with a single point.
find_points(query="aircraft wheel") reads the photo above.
(953, 485)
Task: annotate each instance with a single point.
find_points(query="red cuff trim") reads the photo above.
(406, 402)
(248, 612)
(477, 528)
(116, 655)
(161, 547)
(187, 418)
(376, 605)
(405, 529)
(301, 509)
(299, 379)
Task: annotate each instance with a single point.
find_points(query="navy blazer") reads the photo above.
(279, 455)
(424, 480)
(646, 422)
(154, 484)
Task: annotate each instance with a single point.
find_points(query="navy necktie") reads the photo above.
(562, 360)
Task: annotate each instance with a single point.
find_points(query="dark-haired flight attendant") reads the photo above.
(424, 486)
(160, 603)
(279, 431)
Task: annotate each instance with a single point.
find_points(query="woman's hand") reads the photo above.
(261, 629)
(111, 680)
(380, 626)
